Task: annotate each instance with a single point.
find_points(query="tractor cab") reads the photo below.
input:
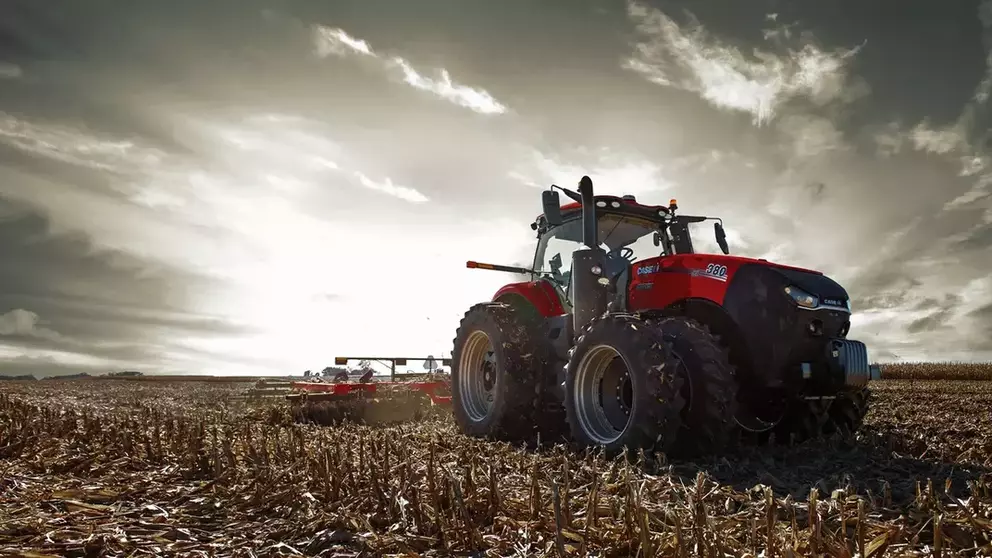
(627, 231)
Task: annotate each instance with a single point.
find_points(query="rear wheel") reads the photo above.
(622, 388)
(494, 381)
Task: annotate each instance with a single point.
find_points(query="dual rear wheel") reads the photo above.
(661, 385)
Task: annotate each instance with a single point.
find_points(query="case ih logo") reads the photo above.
(647, 269)
(833, 302)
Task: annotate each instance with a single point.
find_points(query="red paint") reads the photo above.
(678, 283)
(571, 206)
(674, 280)
(539, 293)
(372, 388)
(741, 260)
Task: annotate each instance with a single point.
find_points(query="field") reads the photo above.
(131, 468)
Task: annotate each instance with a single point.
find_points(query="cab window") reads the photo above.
(554, 254)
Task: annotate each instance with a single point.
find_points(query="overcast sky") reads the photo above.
(257, 186)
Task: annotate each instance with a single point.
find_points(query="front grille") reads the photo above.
(853, 358)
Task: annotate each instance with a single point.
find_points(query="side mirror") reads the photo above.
(552, 207)
(721, 237)
(656, 238)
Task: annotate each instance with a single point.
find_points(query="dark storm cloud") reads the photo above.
(929, 323)
(983, 318)
(42, 367)
(116, 68)
(938, 318)
(977, 240)
(927, 61)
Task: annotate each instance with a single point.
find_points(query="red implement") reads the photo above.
(430, 389)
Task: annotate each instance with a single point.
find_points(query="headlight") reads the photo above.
(802, 297)
(848, 304)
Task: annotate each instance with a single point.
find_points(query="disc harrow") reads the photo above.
(371, 401)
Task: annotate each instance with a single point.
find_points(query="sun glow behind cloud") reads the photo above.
(254, 196)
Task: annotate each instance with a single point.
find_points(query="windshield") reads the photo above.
(554, 251)
(703, 238)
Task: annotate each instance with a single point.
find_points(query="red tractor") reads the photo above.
(642, 342)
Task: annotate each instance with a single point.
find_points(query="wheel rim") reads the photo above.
(603, 394)
(477, 368)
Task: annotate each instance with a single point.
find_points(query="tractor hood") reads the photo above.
(736, 269)
(741, 260)
(813, 282)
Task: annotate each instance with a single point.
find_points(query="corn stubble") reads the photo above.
(979, 371)
(122, 469)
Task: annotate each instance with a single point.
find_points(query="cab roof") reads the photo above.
(621, 204)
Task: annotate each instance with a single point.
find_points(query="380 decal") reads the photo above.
(716, 270)
(712, 271)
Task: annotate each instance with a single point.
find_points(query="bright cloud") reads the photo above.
(387, 186)
(244, 210)
(74, 146)
(611, 172)
(338, 42)
(690, 59)
(244, 219)
(811, 136)
(469, 97)
(941, 142)
(953, 142)
(10, 71)
(22, 322)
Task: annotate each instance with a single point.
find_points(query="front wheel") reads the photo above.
(622, 387)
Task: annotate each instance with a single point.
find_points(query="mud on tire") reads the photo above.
(621, 358)
(710, 386)
(494, 374)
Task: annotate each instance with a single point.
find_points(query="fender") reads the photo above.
(540, 294)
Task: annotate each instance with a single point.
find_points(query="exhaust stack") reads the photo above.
(589, 285)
